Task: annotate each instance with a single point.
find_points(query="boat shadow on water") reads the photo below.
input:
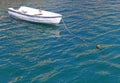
(47, 30)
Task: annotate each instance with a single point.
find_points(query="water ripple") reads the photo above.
(37, 53)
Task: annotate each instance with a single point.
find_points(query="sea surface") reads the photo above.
(65, 53)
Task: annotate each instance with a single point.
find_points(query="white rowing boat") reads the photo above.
(35, 15)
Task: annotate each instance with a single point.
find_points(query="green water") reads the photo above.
(39, 53)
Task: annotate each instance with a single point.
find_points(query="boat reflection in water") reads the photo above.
(44, 30)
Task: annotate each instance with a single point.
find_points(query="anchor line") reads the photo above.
(65, 26)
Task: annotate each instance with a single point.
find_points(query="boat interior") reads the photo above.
(30, 11)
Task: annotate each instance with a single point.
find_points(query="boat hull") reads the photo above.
(36, 19)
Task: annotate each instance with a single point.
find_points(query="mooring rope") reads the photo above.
(65, 26)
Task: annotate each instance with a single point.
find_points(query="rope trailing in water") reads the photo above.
(65, 26)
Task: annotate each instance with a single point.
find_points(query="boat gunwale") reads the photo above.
(34, 15)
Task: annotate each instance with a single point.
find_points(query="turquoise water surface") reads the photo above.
(66, 53)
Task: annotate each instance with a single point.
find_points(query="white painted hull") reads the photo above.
(38, 19)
